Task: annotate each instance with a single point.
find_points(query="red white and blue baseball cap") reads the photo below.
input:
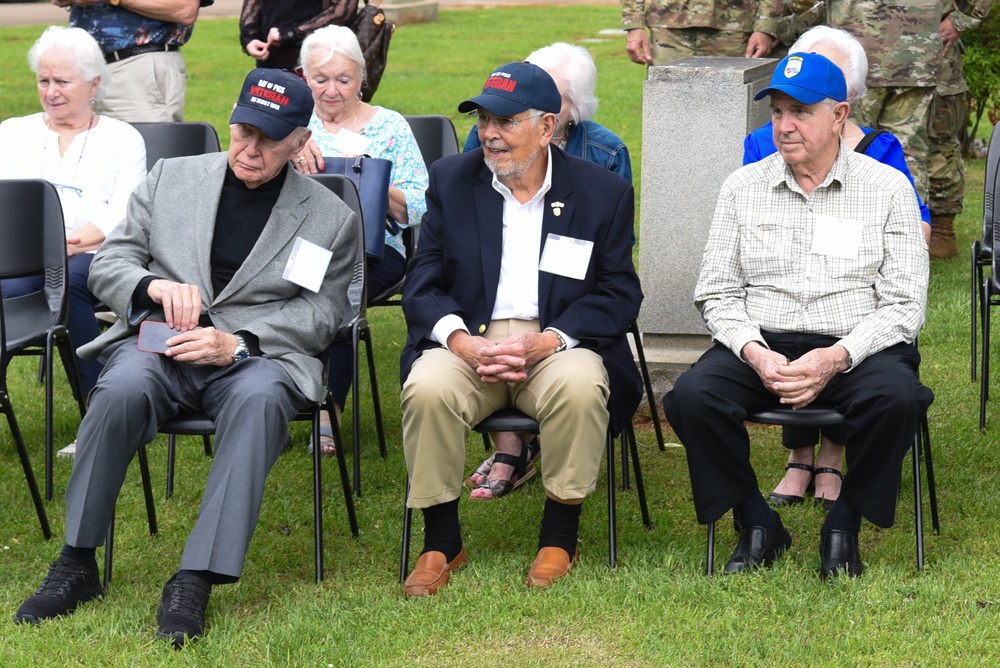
(516, 87)
(808, 78)
(275, 101)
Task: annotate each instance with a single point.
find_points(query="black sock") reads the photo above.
(442, 532)
(754, 512)
(209, 577)
(560, 526)
(842, 517)
(85, 555)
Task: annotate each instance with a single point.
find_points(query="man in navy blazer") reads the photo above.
(520, 296)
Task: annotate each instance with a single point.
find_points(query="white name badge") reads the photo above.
(837, 237)
(566, 256)
(347, 142)
(307, 264)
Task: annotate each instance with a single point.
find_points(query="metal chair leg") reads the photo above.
(710, 550)
(612, 519)
(640, 488)
(404, 558)
(633, 328)
(29, 475)
(985, 360)
(918, 513)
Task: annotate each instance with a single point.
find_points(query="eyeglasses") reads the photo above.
(501, 124)
(68, 190)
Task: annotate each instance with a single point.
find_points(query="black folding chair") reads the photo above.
(982, 249)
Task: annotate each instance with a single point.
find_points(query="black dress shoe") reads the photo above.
(759, 546)
(67, 584)
(838, 553)
(181, 615)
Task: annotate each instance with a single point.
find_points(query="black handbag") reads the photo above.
(371, 177)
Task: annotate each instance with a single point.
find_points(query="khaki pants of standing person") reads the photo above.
(443, 398)
(146, 88)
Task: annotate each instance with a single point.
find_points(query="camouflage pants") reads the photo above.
(945, 168)
(905, 112)
(670, 44)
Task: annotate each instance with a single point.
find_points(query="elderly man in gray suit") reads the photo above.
(249, 263)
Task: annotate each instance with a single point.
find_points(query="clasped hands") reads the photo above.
(506, 362)
(800, 381)
(200, 346)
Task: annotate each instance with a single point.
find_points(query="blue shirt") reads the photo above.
(116, 28)
(588, 140)
(885, 148)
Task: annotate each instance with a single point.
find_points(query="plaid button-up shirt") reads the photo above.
(760, 271)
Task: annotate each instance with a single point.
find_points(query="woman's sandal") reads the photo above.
(827, 503)
(779, 500)
(524, 470)
(480, 474)
(327, 445)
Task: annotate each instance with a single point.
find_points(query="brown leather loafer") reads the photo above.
(431, 572)
(551, 564)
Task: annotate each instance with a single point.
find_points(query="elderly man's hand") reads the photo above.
(205, 346)
(181, 302)
(510, 360)
(802, 380)
(765, 362)
(468, 347)
(637, 45)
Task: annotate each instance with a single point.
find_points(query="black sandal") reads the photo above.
(524, 470)
(779, 500)
(820, 501)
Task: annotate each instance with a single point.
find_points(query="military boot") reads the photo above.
(943, 244)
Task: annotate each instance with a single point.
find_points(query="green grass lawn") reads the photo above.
(655, 609)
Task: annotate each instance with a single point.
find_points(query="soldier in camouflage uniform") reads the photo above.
(682, 28)
(946, 170)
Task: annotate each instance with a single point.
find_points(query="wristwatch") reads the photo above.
(562, 341)
(241, 352)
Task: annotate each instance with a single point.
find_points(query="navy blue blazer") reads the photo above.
(457, 265)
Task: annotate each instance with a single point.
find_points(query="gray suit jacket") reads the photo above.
(168, 233)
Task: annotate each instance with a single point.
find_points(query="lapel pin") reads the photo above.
(557, 208)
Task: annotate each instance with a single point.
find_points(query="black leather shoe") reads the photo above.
(67, 584)
(838, 553)
(181, 615)
(759, 547)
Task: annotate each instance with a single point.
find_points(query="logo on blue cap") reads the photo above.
(516, 87)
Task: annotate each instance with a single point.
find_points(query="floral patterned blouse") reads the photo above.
(390, 138)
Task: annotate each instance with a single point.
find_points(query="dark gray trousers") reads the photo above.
(251, 403)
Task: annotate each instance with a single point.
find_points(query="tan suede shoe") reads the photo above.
(431, 572)
(551, 564)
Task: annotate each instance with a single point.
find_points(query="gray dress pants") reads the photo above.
(251, 403)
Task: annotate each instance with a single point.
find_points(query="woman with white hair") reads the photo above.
(573, 70)
(805, 468)
(343, 125)
(93, 161)
(575, 75)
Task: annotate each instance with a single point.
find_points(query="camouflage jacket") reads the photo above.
(733, 16)
(967, 15)
(902, 38)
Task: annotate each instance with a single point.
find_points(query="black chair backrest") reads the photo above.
(344, 188)
(435, 136)
(175, 140)
(34, 244)
(990, 182)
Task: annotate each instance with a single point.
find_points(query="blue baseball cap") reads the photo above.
(807, 77)
(275, 101)
(516, 87)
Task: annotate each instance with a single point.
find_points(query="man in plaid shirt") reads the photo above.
(813, 284)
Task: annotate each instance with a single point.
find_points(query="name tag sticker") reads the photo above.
(351, 143)
(307, 264)
(837, 237)
(566, 256)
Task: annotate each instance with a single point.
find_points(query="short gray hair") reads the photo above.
(325, 43)
(846, 44)
(575, 66)
(87, 55)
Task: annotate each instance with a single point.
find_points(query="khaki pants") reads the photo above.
(146, 88)
(443, 398)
